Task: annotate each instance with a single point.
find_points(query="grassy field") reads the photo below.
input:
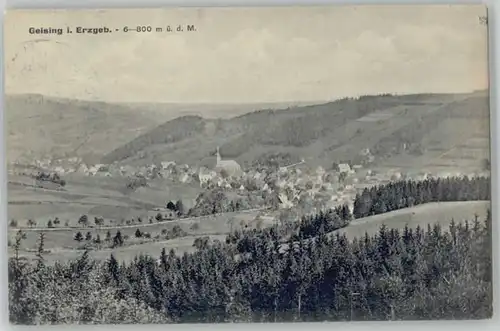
(442, 213)
(95, 197)
(61, 245)
(104, 197)
(126, 253)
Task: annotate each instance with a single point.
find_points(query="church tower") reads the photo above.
(218, 155)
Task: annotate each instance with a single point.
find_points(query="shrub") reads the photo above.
(171, 206)
(78, 236)
(84, 220)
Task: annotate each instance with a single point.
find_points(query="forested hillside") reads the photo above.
(337, 130)
(403, 194)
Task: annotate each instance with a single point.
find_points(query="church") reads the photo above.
(230, 167)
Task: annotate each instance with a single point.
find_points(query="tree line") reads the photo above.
(408, 193)
(47, 177)
(394, 274)
(218, 201)
(393, 196)
(323, 222)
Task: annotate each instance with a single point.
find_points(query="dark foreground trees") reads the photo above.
(396, 274)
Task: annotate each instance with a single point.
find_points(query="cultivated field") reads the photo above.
(105, 197)
(95, 197)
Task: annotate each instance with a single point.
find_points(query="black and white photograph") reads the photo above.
(248, 164)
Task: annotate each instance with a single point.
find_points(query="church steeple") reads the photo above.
(218, 155)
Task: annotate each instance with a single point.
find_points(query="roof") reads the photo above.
(231, 167)
(344, 167)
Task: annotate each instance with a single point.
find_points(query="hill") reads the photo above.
(441, 213)
(422, 215)
(48, 127)
(39, 126)
(424, 128)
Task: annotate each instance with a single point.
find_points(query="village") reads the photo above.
(298, 187)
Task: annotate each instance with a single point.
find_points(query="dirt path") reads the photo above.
(119, 227)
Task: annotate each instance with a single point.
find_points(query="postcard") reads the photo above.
(260, 164)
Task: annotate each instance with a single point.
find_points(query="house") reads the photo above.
(205, 176)
(281, 183)
(257, 175)
(184, 178)
(165, 165)
(93, 170)
(327, 187)
(282, 170)
(343, 168)
(396, 176)
(75, 160)
(102, 167)
(365, 152)
(59, 170)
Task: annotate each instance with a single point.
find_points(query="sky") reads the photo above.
(247, 55)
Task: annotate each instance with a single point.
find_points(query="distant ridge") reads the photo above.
(129, 132)
(327, 131)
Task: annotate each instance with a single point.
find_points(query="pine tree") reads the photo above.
(41, 249)
(171, 206)
(179, 207)
(78, 236)
(114, 269)
(118, 239)
(163, 259)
